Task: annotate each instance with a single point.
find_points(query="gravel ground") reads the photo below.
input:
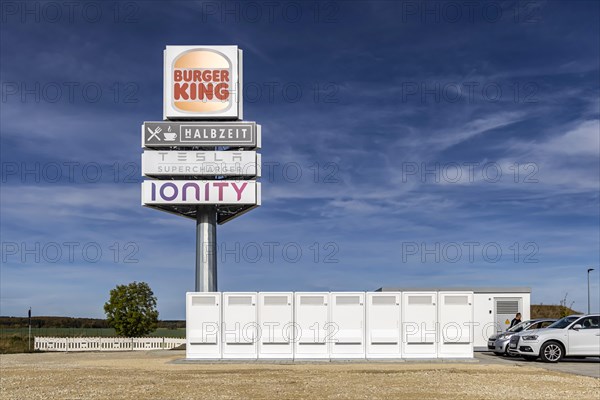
(153, 375)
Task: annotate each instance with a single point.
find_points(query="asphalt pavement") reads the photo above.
(589, 366)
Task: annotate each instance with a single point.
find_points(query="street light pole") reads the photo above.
(29, 336)
(588, 277)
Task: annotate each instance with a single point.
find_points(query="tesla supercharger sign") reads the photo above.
(201, 160)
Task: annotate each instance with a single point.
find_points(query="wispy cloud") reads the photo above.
(351, 135)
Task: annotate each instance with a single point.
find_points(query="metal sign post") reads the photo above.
(29, 337)
(206, 249)
(202, 160)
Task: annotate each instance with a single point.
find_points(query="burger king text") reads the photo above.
(201, 85)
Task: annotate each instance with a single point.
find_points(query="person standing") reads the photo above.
(516, 320)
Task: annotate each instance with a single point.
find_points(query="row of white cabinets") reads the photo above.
(321, 325)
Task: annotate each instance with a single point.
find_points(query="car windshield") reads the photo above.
(564, 322)
(520, 326)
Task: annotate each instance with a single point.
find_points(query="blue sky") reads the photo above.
(439, 144)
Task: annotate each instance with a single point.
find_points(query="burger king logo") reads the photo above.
(201, 82)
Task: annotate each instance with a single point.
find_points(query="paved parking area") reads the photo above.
(586, 367)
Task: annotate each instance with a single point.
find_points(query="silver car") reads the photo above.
(499, 343)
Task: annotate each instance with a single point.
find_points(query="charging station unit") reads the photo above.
(276, 325)
(311, 317)
(239, 328)
(347, 319)
(203, 325)
(383, 325)
(455, 316)
(419, 324)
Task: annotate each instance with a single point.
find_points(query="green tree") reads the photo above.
(131, 310)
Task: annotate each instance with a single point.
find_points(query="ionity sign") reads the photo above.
(201, 192)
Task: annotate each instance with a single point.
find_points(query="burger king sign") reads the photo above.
(203, 82)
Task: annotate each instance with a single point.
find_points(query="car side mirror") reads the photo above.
(577, 327)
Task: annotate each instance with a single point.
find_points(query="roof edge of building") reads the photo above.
(495, 289)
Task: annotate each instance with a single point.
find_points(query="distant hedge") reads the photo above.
(551, 311)
(68, 322)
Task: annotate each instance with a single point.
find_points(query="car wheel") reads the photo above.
(552, 352)
(530, 358)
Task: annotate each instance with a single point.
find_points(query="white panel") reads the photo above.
(239, 300)
(203, 322)
(347, 321)
(199, 301)
(457, 300)
(419, 324)
(455, 324)
(273, 299)
(483, 319)
(526, 304)
(383, 325)
(311, 314)
(239, 330)
(276, 318)
(420, 300)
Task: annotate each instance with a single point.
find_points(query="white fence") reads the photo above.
(105, 343)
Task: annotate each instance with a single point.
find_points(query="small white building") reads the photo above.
(493, 308)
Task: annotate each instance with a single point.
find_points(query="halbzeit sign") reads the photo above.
(203, 82)
(201, 192)
(181, 134)
(203, 163)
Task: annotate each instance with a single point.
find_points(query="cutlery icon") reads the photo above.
(155, 133)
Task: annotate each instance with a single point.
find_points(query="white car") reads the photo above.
(572, 336)
(498, 343)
